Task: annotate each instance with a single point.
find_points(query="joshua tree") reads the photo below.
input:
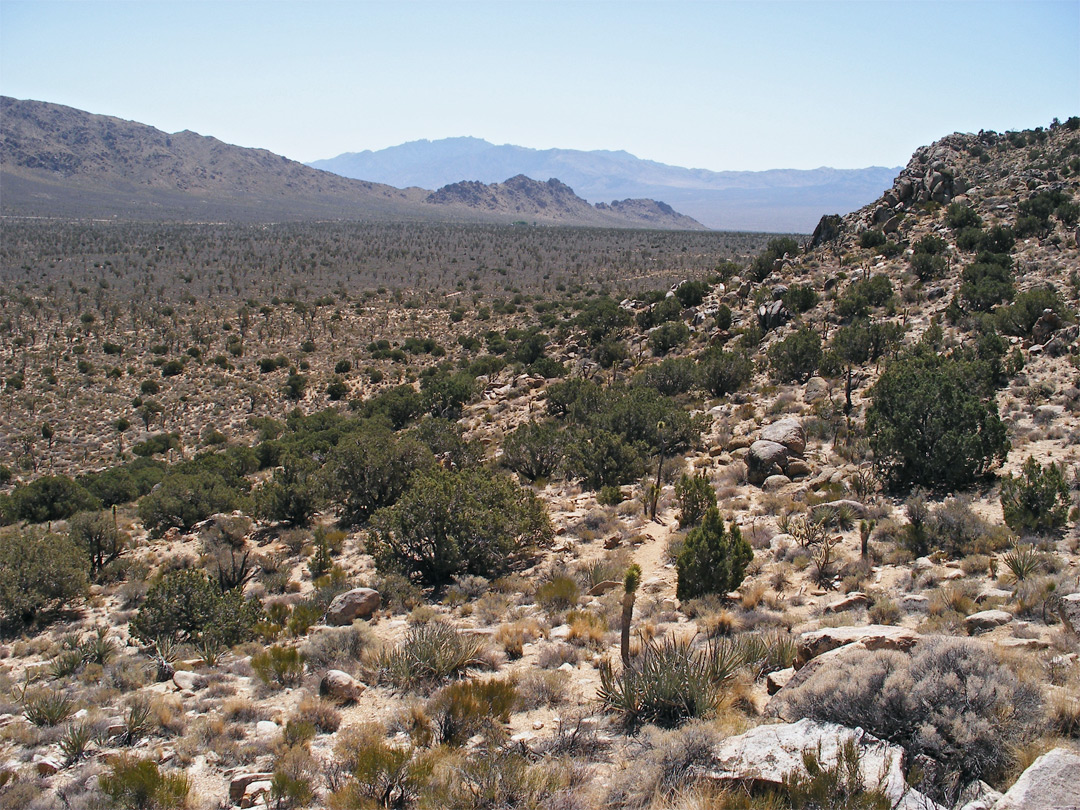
(630, 585)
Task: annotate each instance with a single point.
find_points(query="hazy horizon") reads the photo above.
(722, 86)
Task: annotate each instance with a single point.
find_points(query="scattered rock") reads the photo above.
(986, 620)
(341, 686)
(1070, 611)
(241, 781)
(775, 482)
(993, 594)
(359, 603)
(816, 389)
(764, 459)
(1023, 644)
(977, 796)
(850, 602)
(254, 792)
(788, 432)
(1049, 783)
(46, 766)
(775, 681)
(600, 588)
(266, 728)
(872, 636)
(764, 755)
(188, 681)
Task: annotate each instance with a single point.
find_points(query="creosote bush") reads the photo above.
(138, 784)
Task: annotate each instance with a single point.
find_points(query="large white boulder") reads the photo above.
(1052, 782)
(766, 754)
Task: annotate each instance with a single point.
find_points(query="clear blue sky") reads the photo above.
(717, 85)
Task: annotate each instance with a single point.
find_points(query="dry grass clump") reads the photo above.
(428, 654)
(663, 765)
(512, 637)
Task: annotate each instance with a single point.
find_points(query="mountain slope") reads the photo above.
(553, 201)
(775, 200)
(56, 161)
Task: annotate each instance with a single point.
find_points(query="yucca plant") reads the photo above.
(99, 648)
(429, 653)
(668, 682)
(49, 707)
(66, 663)
(1023, 561)
(75, 742)
(136, 722)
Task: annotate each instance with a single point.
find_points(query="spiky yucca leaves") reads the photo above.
(1023, 560)
(429, 653)
(49, 707)
(669, 682)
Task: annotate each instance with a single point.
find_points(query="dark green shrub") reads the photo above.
(38, 573)
(987, 282)
(337, 389)
(186, 606)
(157, 444)
(601, 318)
(601, 458)
(927, 266)
(692, 293)
(800, 298)
(295, 386)
(343, 367)
(722, 372)
(696, 496)
(138, 784)
(671, 376)
(668, 336)
(1037, 500)
(184, 499)
(796, 357)
(723, 317)
(172, 368)
(762, 266)
(949, 700)
(932, 425)
(293, 494)
(443, 394)
(958, 215)
(664, 310)
(861, 295)
(428, 654)
(97, 535)
(609, 496)
(371, 469)
(1019, 317)
(471, 521)
(534, 450)
(713, 558)
(51, 497)
(871, 239)
(400, 404)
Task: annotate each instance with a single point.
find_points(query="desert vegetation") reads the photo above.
(358, 516)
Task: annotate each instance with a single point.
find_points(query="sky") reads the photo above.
(714, 85)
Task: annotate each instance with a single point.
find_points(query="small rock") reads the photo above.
(986, 620)
(996, 594)
(559, 633)
(775, 681)
(653, 585)
(341, 686)
(239, 784)
(816, 389)
(567, 667)
(1023, 644)
(775, 482)
(188, 681)
(613, 542)
(359, 603)
(266, 728)
(797, 468)
(600, 588)
(46, 766)
(850, 602)
(255, 791)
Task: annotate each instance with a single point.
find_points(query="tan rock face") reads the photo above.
(341, 686)
(1051, 783)
(788, 432)
(872, 636)
(359, 603)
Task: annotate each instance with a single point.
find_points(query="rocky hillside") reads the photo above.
(804, 524)
(57, 161)
(554, 202)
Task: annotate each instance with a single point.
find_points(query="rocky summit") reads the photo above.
(429, 514)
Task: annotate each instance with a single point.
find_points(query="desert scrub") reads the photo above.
(428, 654)
(950, 700)
(138, 784)
(279, 666)
(665, 765)
(380, 774)
(48, 707)
(339, 647)
(466, 708)
(668, 682)
(559, 592)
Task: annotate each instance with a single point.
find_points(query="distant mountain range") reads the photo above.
(57, 161)
(779, 200)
